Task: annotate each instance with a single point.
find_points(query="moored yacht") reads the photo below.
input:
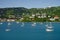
(49, 30)
(49, 27)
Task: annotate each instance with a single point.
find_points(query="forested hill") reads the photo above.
(19, 11)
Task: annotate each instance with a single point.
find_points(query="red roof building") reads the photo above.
(56, 17)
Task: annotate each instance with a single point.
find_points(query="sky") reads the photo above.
(29, 3)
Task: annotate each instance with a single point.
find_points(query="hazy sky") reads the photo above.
(29, 3)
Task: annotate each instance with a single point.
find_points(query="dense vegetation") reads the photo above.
(19, 12)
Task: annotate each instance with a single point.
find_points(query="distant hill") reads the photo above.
(19, 11)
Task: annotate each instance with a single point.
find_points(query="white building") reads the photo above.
(52, 19)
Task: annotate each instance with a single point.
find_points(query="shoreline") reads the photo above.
(29, 22)
(24, 20)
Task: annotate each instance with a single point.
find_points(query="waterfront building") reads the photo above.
(52, 19)
(56, 17)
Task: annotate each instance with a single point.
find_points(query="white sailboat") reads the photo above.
(8, 27)
(49, 27)
(49, 30)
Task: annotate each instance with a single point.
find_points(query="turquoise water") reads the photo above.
(25, 31)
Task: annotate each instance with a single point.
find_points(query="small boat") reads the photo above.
(9, 23)
(17, 22)
(34, 24)
(49, 26)
(1, 23)
(41, 23)
(22, 25)
(46, 25)
(49, 30)
(7, 29)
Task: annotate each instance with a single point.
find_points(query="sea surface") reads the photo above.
(29, 31)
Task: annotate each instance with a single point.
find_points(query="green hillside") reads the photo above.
(25, 13)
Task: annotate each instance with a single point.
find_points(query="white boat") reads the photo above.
(41, 23)
(9, 23)
(7, 29)
(17, 22)
(22, 25)
(34, 24)
(1, 23)
(49, 30)
(49, 26)
(46, 25)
